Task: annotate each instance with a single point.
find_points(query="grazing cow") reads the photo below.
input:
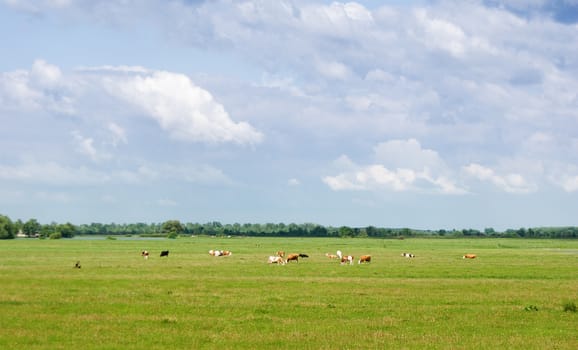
(145, 254)
(165, 253)
(407, 255)
(364, 259)
(293, 257)
(77, 265)
(276, 260)
(469, 256)
(301, 255)
(347, 259)
(331, 256)
(281, 253)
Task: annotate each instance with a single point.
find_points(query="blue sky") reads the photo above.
(421, 114)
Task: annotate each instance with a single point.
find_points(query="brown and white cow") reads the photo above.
(469, 256)
(220, 252)
(364, 259)
(331, 256)
(347, 259)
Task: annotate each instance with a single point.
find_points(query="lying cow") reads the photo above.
(276, 260)
(165, 253)
(469, 256)
(331, 256)
(407, 255)
(220, 252)
(364, 259)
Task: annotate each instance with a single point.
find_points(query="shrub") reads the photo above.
(56, 235)
(569, 306)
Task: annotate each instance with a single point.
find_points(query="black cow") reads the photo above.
(165, 253)
(303, 255)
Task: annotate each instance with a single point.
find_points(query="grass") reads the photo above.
(511, 296)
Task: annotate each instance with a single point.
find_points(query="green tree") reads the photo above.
(31, 228)
(7, 228)
(172, 228)
(67, 230)
(345, 231)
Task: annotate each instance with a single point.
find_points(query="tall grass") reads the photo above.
(191, 300)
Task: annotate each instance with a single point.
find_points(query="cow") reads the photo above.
(331, 256)
(220, 252)
(281, 253)
(301, 255)
(292, 257)
(347, 259)
(145, 254)
(276, 260)
(165, 253)
(77, 265)
(469, 256)
(364, 259)
(407, 255)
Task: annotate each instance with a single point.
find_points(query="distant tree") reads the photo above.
(31, 227)
(172, 228)
(7, 228)
(67, 230)
(345, 231)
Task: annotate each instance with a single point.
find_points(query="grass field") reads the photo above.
(511, 296)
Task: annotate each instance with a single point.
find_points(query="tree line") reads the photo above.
(174, 228)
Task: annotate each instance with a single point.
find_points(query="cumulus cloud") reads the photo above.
(510, 182)
(39, 89)
(401, 165)
(181, 108)
(186, 111)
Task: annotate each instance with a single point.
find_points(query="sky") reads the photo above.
(420, 114)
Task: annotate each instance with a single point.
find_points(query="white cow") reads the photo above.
(276, 260)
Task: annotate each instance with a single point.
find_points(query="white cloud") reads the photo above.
(85, 145)
(510, 182)
(42, 88)
(401, 165)
(186, 111)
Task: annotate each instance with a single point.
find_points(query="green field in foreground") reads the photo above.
(511, 296)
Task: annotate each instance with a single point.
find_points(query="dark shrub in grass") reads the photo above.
(569, 306)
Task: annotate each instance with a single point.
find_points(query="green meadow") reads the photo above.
(517, 294)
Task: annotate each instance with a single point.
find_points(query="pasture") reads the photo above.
(510, 296)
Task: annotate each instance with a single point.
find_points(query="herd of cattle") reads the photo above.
(281, 258)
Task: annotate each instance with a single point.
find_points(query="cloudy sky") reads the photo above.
(422, 114)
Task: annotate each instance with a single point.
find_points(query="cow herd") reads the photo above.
(280, 258)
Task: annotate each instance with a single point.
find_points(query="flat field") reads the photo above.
(510, 297)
